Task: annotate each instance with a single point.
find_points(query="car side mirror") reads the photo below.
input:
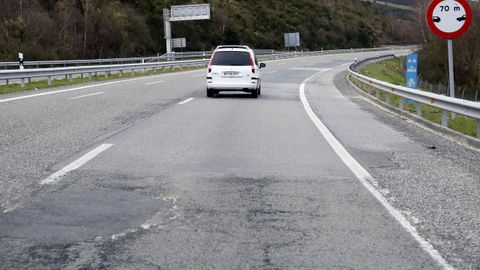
(263, 65)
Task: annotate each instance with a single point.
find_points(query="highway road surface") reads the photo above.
(148, 173)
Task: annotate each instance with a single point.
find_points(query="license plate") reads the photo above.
(231, 73)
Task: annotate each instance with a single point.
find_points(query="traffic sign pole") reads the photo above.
(451, 72)
(449, 19)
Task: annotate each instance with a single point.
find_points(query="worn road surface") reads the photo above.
(148, 173)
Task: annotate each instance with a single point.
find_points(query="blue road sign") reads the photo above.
(412, 68)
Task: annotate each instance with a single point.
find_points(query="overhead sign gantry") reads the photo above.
(183, 13)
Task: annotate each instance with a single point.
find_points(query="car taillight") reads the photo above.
(252, 64)
(210, 63)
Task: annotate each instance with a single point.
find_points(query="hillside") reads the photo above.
(60, 29)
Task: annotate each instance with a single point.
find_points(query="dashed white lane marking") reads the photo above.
(186, 101)
(365, 178)
(307, 69)
(196, 76)
(151, 83)
(94, 85)
(272, 72)
(89, 95)
(56, 177)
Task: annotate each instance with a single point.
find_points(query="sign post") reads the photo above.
(449, 19)
(20, 61)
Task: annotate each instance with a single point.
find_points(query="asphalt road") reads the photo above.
(161, 177)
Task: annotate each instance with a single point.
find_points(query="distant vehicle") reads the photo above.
(234, 68)
(463, 18)
(436, 19)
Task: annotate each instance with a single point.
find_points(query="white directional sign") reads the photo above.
(179, 43)
(292, 39)
(190, 12)
(449, 18)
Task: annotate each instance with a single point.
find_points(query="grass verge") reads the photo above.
(389, 71)
(36, 85)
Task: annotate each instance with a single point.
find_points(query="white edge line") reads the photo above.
(89, 95)
(55, 178)
(186, 101)
(196, 76)
(96, 85)
(154, 82)
(365, 178)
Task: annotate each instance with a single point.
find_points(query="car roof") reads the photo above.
(234, 48)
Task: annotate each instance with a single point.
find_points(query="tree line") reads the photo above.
(79, 29)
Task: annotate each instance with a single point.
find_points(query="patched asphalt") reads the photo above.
(230, 182)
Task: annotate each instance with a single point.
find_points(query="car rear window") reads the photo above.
(231, 59)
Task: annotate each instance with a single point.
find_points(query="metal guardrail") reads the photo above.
(69, 72)
(133, 60)
(67, 63)
(444, 103)
(90, 71)
(112, 61)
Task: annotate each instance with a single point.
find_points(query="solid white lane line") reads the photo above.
(365, 178)
(89, 95)
(150, 83)
(283, 63)
(186, 101)
(56, 177)
(93, 86)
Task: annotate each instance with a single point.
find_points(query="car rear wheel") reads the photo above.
(255, 93)
(210, 93)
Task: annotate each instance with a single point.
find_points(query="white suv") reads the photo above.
(234, 68)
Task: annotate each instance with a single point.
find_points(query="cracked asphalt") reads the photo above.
(230, 182)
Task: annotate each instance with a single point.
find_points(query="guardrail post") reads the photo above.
(377, 93)
(90, 76)
(121, 73)
(7, 81)
(70, 78)
(133, 71)
(389, 98)
(444, 118)
(419, 109)
(106, 75)
(22, 83)
(49, 80)
(401, 102)
(478, 128)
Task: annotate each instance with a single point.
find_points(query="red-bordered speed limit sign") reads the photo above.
(449, 18)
